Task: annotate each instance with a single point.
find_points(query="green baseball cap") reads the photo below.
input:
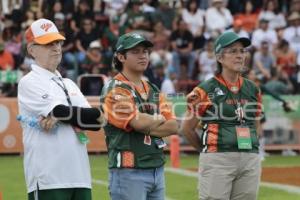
(130, 40)
(229, 38)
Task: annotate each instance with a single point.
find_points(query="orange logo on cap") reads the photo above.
(46, 26)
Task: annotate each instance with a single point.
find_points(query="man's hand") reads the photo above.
(101, 119)
(47, 123)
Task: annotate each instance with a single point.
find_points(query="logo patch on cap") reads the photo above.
(46, 26)
(137, 36)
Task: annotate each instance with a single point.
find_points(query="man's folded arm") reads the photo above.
(83, 118)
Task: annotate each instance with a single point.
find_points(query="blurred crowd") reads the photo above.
(183, 33)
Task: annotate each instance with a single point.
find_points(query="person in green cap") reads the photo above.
(229, 107)
(138, 117)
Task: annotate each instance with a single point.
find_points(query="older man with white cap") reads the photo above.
(55, 159)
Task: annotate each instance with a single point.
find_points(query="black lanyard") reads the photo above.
(63, 87)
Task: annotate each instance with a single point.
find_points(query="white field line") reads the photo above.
(100, 182)
(286, 188)
(105, 183)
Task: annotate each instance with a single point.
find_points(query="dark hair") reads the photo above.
(189, 2)
(219, 65)
(116, 64)
(219, 68)
(244, 6)
(275, 2)
(179, 20)
(283, 43)
(210, 40)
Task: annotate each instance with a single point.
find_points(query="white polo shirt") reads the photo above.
(55, 159)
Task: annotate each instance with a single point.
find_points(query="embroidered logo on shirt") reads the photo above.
(218, 91)
(234, 88)
(45, 96)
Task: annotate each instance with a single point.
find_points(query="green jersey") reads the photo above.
(223, 108)
(130, 148)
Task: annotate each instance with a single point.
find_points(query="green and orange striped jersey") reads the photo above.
(215, 103)
(121, 101)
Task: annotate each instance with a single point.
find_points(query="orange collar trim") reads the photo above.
(141, 90)
(233, 87)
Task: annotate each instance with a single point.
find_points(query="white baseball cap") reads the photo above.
(43, 31)
(95, 44)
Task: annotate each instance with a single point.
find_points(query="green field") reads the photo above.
(179, 187)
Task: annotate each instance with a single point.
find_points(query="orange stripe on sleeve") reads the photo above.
(120, 108)
(198, 101)
(165, 107)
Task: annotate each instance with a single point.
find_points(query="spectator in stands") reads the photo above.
(271, 12)
(263, 33)
(159, 72)
(248, 17)
(83, 12)
(169, 84)
(148, 8)
(6, 58)
(116, 8)
(286, 60)
(280, 82)
(161, 45)
(294, 6)
(25, 67)
(165, 14)
(93, 63)
(111, 34)
(69, 61)
(194, 18)
(182, 47)
(83, 39)
(56, 8)
(235, 6)
(218, 18)
(207, 62)
(264, 61)
(8, 90)
(48, 8)
(238, 28)
(137, 20)
(29, 15)
(292, 32)
(14, 46)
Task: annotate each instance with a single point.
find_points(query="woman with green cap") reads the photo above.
(229, 107)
